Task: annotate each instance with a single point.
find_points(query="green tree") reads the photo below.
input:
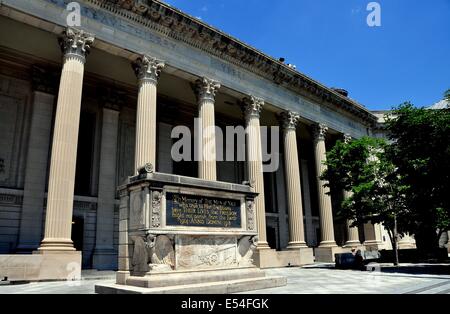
(420, 150)
(377, 193)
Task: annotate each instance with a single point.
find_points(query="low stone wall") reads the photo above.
(39, 267)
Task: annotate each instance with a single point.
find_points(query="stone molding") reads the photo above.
(148, 69)
(76, 43)
(180, 26)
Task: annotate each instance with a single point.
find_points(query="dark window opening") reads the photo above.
(85, 154)
(271, 237)
(78, 232)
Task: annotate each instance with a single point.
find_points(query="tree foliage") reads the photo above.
(420, 150)
(377, 192)
(407, 179)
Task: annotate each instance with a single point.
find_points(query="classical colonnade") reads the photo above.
(75, 46)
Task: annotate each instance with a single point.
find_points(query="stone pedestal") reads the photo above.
(373, 235)
(41, 266)
(326, 254)
(178, 233)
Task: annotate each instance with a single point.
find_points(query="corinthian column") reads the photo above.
(147, 70)
(325, 209)
(75, 45)
(352, 232)
(294, 194)
(205, 90)
(252, 107)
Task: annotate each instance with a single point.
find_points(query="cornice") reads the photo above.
(178, 25)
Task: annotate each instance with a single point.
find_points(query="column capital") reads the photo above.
(206, 88)
(76, 43)
(147, 68)
(252, 106)
(347, 138)
(320, 131)
(289, 120)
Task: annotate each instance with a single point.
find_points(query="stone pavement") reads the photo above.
(317, 279)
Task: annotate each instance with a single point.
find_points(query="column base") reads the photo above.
(353, 244)
(57, 245)
(104, 259)
(326, 244)
(325, 254)
(263, 246)
(296, 245)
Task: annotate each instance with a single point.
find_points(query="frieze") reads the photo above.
(170, 22)
(173, 23)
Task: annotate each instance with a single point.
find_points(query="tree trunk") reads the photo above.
(395, 242)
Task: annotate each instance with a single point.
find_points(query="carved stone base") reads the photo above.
(217, 281)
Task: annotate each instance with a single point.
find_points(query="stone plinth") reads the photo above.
(289, 258)
(43, 265)
(326, 254)
(177, 232)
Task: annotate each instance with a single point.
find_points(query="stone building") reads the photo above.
(83, 107)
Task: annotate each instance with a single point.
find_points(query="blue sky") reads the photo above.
(406, 59)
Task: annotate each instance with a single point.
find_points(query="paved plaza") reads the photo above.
(317, 279)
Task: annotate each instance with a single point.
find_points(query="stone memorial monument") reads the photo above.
(186, 235)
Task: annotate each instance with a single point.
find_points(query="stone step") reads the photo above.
(222, 287)
(177, 278)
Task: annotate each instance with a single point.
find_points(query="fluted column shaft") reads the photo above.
(352, 232)
(147, 70)
(252, 107)
(325, 209)
(58, 222)
(205, 90)
(294, 194)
